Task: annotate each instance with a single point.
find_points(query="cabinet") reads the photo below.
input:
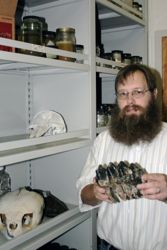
(122, 28)
(30, 84)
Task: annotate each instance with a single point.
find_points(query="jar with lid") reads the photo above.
(79, 49)
(44, 23)
(117, 56)
(31, 32)
(135, 5)
(49, 40)
(65, 40)
(140, 7)
(137, 59)
(127, 58)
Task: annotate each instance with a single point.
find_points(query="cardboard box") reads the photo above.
(7, 21)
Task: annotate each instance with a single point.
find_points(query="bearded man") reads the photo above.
(136, 135)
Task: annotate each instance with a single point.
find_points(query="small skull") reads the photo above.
(47, 122)
(20, 211)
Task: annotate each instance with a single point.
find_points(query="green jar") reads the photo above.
(31, 32)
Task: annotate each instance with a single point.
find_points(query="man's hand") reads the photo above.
(100, 192)
(154, 186)
(93, 194)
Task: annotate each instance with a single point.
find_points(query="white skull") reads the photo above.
(20, 211)
(47, 123)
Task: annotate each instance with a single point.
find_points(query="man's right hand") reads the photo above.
(93, 194)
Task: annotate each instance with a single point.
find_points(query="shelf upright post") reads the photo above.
(92, 73)
(29, 119)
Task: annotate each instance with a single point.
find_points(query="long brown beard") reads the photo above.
(132, 129)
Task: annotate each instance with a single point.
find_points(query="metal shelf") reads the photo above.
(33, 3)
(108, 67)
(21, 63)
(20, 148)
(116, 14)
(48, 230)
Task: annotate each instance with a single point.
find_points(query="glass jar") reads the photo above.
(100, 117)
(79, 49)
(135, 5)
(31, 32)
(65, 40)
(137, 60)
(127, 58)
(117, 56)
(140, 8)
(44, 23)
(49, 40)
(5, 181)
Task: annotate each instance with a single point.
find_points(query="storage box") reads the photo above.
(7, 21)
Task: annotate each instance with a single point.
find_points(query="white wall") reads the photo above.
(157, 27)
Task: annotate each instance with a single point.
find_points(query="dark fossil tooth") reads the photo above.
(120, 180)
(112, 170)
(102, 176)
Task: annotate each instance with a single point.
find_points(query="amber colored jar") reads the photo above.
(65, 40)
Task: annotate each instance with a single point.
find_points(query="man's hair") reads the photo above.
(131, 69)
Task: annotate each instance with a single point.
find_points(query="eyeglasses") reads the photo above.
(136, 93)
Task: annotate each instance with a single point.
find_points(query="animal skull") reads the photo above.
(47, 122)
(20, 211)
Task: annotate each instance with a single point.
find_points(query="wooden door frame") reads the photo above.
(164, 78)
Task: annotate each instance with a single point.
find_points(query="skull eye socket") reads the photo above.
(3, 218)
(27, 219)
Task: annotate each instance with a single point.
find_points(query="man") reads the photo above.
(136, 135)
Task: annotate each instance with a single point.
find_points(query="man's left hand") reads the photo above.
(154, 186)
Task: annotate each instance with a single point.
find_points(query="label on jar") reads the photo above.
(50, 43)
(65, 45)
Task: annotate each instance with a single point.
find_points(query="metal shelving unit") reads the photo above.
(24, 153)
(117, 19)
(48, 230)
(20, 148)
(115, 15)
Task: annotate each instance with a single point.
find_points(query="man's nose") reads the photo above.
(130, 98)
